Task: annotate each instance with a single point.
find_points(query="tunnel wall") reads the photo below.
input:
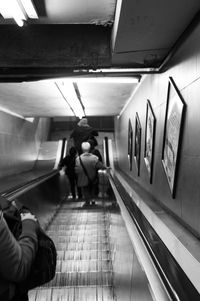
(19, 142)
(185, 70)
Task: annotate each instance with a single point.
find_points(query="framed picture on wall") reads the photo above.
(130, 144)
(137, 148)
(172, 134)
(149, 139)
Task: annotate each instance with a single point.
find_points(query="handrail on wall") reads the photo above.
(18, 190)
(156, 284)
(143, 236)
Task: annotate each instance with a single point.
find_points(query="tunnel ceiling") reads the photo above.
(84, 38)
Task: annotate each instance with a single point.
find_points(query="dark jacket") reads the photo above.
(16, 257)
(69, 163)
(81, 134)
(97, 153)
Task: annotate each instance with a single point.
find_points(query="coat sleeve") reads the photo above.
(16, 257)
(77, 165)
(99, 165)
(63, 162)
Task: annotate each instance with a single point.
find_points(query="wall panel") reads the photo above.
(19, 143)
(185, 70)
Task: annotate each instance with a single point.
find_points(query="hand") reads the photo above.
(28, 215)
(14, 204)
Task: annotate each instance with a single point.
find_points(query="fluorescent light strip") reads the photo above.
(29, 119)
(29, 8)
(11, 113)
(5, 9)
(117, 80)
(71, 96)
(119, 70)
(67, 90)
(11, 8)
(19, 10)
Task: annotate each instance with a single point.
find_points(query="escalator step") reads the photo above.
(84, 267)
(81, 279)
(71, 294)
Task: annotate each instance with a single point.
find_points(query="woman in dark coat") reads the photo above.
(69, 163)
(82, 132)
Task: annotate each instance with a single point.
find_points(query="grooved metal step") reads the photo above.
(84, 265)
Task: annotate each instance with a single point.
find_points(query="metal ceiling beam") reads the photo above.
(45, 49)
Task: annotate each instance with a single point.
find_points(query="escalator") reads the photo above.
(85, 239)
(106, 251)
(84, 263)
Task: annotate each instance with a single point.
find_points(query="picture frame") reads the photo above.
(130, 145)
(137, 148)
(173, 126)
(150, 126)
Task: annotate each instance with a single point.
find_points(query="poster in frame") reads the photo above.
(137, 148)
(130, 144)
(172, 134)
(149, 140)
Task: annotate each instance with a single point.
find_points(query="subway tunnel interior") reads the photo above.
(123, 64)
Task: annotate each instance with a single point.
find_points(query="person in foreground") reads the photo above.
(16, 256)
(86, 168)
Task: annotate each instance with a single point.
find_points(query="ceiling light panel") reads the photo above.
(103, 79)
(19, 10)
(29, 8)
(70, 95)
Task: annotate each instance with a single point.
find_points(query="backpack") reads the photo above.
(44, 265)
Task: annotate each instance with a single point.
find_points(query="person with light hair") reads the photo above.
(86, 168)
(85, 147)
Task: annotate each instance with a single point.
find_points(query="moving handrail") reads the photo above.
(157, 287)
(174, 280)
(18, 190)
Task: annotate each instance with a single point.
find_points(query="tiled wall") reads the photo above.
(19, 143)
(185, 70)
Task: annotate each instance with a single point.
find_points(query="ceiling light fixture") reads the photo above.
(2, 109)
(119, 71)
(30, 9)
(19, 10)
(67, 90)
(79, 97)
(103, 79)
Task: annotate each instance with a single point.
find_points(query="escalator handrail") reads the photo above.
(158, 288)
(172, 290)
(14, 192)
